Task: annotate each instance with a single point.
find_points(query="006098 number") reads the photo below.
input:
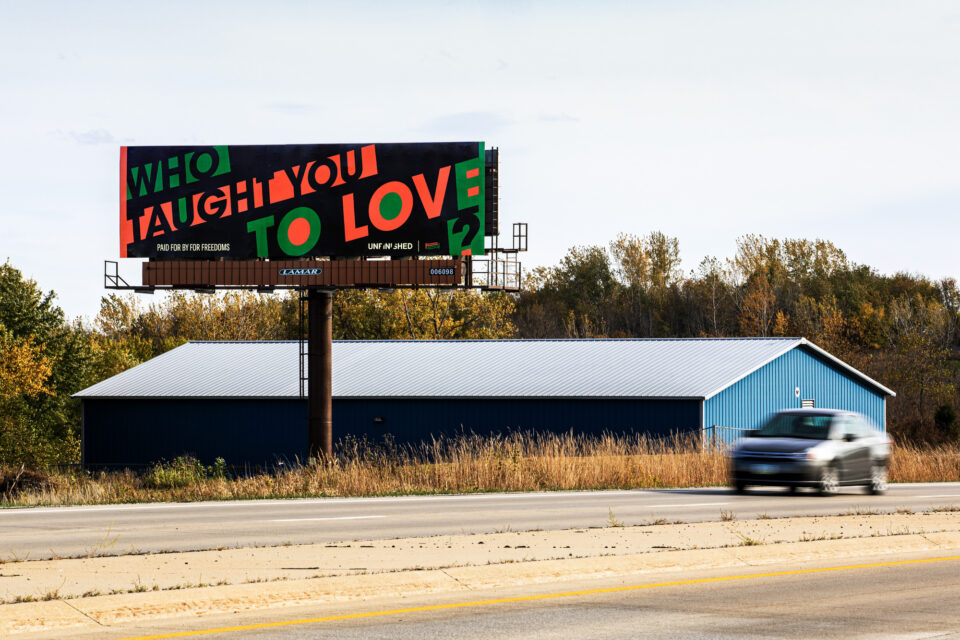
(446, 271)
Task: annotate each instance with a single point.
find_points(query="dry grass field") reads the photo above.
(915, 463)
(519, 462)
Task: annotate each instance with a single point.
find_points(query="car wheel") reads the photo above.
(739, 486)
(829, 481)
(792, 488)
(878, 479)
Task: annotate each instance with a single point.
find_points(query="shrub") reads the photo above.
(182, 472)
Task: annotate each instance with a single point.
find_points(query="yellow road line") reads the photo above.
(547, 596)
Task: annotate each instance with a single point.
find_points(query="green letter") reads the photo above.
(259, 227)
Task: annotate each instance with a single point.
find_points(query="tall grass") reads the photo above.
(517, 462)
(921, 463)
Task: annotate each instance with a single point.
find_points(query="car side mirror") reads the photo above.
(849, 437)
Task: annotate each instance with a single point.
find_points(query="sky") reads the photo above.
(704, 120)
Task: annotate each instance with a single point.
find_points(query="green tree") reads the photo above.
(579, 292)
(917, 364)
(30, 317)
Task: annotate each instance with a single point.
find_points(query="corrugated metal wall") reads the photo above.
(414, 420)
(119, 433)
(771, 388)
(134, 433)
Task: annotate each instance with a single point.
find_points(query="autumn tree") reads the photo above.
(24, 372)
(422, 314)
(37, 337)
(822, 322)
(649, 269)
(758, 306)
(181, 316)
(23, 369)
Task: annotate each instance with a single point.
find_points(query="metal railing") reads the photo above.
(497, 271)
(111, 276)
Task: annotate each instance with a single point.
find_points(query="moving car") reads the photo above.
(820, 448)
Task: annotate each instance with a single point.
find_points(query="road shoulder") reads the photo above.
(159, 586)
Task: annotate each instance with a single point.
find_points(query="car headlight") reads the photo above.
(817, 454)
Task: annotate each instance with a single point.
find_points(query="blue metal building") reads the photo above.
(241, 400)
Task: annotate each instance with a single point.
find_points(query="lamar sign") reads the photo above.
(296, 201)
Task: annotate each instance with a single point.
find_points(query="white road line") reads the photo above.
(332, 518)
(636, 493)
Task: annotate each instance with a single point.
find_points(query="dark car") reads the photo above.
(819, 448)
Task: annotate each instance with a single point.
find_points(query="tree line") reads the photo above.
(902, 330)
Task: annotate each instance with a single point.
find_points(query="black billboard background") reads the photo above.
(146, 232)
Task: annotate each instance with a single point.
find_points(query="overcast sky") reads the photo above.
(705, 120)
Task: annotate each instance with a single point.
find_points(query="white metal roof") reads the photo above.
(652, 368)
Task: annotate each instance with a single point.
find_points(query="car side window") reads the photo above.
(849, 426)
(839, 428)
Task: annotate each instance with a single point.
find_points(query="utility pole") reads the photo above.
(320, 374)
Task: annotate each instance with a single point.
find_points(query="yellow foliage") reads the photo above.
(650, 263)
(781, 324)
(23, 368)
(422, 314)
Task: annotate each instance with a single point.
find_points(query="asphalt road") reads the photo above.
(908, 601)
(37, 533)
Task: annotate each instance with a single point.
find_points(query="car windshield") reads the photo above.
(795, 425)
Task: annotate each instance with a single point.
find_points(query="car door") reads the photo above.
(856, 450)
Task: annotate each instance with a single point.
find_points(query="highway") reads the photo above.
(917, 599)
(37, 533)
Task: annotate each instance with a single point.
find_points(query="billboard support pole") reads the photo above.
(319, 372)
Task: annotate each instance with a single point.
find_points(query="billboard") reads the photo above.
(300, 201)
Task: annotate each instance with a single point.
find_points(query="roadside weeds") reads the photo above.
(468, 464)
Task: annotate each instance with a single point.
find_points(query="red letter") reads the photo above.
(432, 204)
(368, 160)
(350, 229)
